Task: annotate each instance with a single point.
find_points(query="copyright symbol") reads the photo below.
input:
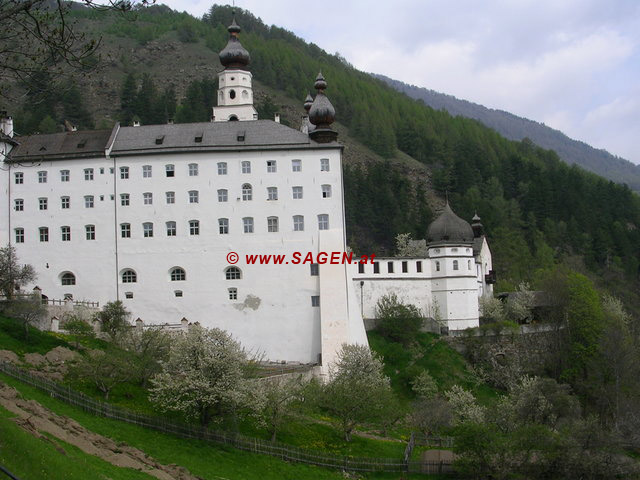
(232, 257)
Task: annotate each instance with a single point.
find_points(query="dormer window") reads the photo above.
(159, 139)
(82, 143)
(198, 137)
(240, 136)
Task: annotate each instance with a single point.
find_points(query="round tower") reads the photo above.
(454, 289)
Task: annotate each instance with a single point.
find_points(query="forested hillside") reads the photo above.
(517, 128)
(538, 211)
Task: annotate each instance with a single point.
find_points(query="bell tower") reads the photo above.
(235, 93)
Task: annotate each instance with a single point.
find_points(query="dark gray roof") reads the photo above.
(449, 228)
(6, 138)
(249, 135)
(57, 146)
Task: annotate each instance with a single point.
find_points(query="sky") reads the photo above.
(573, 65)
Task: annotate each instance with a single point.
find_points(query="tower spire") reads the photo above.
(322, 114)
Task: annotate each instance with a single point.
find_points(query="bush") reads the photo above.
(398, 322)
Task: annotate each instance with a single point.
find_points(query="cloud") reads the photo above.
(571, 64)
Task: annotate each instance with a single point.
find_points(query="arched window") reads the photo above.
(247, 192)
(468, 264)
(233, 273)
(178, 274)
(68, 278)
(437, 266)
(233, 118)
(129, 276)
(455, 264)
(232, 94)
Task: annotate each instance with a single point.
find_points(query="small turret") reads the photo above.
(476, 225)
(307, 126)
(6, 124)
(322, 114)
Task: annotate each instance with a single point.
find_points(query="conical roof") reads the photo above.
(449, 228)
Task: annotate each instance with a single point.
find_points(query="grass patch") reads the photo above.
(12, 338)
(428, 352)
(202, 459)
(29, 457)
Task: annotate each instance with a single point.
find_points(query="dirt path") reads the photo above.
(37, 419)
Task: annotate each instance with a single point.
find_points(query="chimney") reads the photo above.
(277, 118)
(6, 124)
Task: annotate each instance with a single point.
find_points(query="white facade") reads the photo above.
(445, 285)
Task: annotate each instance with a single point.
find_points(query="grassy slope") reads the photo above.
(432, 354)
(204, 460)
(28, 457)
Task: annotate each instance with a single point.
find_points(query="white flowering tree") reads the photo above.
(358, 389)
(203, 377)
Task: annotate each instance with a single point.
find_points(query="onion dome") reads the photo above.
(449, 228)
(234, 55)
(321, 114)
(308, 102)
(476, 225)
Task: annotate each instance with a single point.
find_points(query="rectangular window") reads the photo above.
(272, 224)
(296, 165)
(147, 198)
(171, 197)
(124, 199)
(101, 170)
(376, 267)
(43, 203)
(128, 295)
(222, 195)
(223, 225)
(389, 267)
(194, 196)
(194, 227)
(297, 193)
(360, 267)
(19, 178)
(437, 266)
(326, 191)
(147, 230)
(298, 223)
(170, 170)
(324, 164)
(272, 193)
(64, 175)
(222, 168)
(405, 267)
(315, 269)
(66, 234)
(90, 232)
(88, 173)
(88, 201)
(65, 202)
(272, 166)
(146, 171)
(246, 167)
(125, 230)
(233, 294)
(18, 204)
(171, 229)
(19, 235)
(247, 224)
(323, 222)
(124, 173)
(315, 300)
(419, 266)
(42, 177)
(44, 234)
(193, 169)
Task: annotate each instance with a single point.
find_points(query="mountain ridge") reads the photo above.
(517, 128)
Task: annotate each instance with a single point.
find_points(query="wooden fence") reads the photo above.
(241, 442)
